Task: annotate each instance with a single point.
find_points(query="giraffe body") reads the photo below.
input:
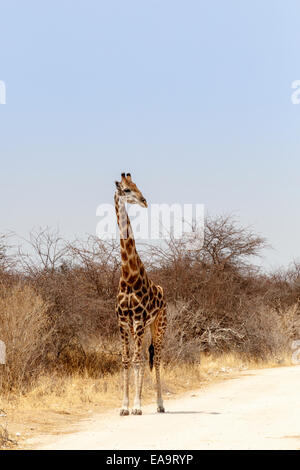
(140, 303)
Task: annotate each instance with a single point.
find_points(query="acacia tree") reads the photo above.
(188, 261)
(2, 250)
(227, 243)
(47, 251)
(7, 259)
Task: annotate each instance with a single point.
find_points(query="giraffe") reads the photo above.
(140, 303)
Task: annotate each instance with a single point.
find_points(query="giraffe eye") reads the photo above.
(126, 190)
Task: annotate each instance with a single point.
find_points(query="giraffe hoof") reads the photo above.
(124, 412)
(160, 409)
(136, 411)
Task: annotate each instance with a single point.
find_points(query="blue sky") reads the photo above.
(192, 97)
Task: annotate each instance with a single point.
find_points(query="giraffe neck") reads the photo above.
(131, 263)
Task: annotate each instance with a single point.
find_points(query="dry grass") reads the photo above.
(23, 328)
(56, 401)
(6, 441)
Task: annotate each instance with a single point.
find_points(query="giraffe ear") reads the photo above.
(117, 184)
(128, 177)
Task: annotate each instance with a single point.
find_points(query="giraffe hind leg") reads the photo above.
(158, 328)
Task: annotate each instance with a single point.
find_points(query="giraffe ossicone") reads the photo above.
(140, 303)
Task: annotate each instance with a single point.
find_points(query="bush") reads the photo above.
(57, 305)
(25, 329)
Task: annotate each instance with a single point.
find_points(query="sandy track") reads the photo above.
(258, 410)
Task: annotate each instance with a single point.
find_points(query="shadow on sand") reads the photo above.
(189, 412)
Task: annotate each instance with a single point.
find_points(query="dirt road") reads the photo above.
(258, 410)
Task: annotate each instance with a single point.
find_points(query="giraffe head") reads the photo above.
(129, 192)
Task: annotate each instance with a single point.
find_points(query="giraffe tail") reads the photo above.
(151, 355)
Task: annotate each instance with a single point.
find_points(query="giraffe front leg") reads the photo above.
(125, 360)
(139, 366)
